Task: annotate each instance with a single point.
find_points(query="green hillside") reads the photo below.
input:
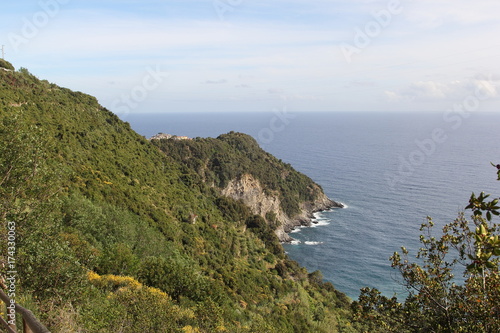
(218, 161)
(117, 235)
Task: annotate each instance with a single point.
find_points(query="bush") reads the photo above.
(177, 278)
(7, 65)
(131, 307)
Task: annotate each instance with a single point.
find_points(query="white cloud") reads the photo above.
(440, 91)
(292, 45)
(431, 14)
(489, 88)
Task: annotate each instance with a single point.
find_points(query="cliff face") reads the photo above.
(249, 190)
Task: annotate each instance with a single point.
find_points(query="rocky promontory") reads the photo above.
(249, 190)
(236, 166)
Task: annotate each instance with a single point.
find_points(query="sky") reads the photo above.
(149, 56)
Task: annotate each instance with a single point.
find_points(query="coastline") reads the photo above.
(306, 218)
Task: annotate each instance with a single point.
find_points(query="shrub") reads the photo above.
(7, 65)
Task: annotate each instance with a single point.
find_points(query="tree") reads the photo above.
(438, 300)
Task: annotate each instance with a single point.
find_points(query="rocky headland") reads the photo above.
(249, 190)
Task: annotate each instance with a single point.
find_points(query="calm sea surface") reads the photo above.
(390, 169)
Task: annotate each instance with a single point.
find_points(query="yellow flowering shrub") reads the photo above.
(190, 329)
(147, 309)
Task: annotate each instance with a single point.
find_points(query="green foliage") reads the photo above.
(49, 269)
(7, 65)
(498, 167)
(123, 304)
(479, 205)
(380, 314)
(26, 178)
(233, 210)
(261, 228)
(88, 194)
(178, 278)
(230, 156)
(436, 301)
(118, 259)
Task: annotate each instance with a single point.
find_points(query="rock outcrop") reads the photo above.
(248, 189)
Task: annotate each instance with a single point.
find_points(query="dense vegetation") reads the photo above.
(218, 161)
(114, 235)
(6, 65)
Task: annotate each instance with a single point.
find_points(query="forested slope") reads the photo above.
(114, 234)
(238, 168)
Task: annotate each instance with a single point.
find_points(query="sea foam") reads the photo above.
(312, 243)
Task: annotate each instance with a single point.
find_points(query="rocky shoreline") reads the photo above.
(305, 219)
(249, 190)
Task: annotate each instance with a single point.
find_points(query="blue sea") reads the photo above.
(391, 170)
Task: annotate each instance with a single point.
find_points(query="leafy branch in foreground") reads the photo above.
(498, 167)
(439, 301)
